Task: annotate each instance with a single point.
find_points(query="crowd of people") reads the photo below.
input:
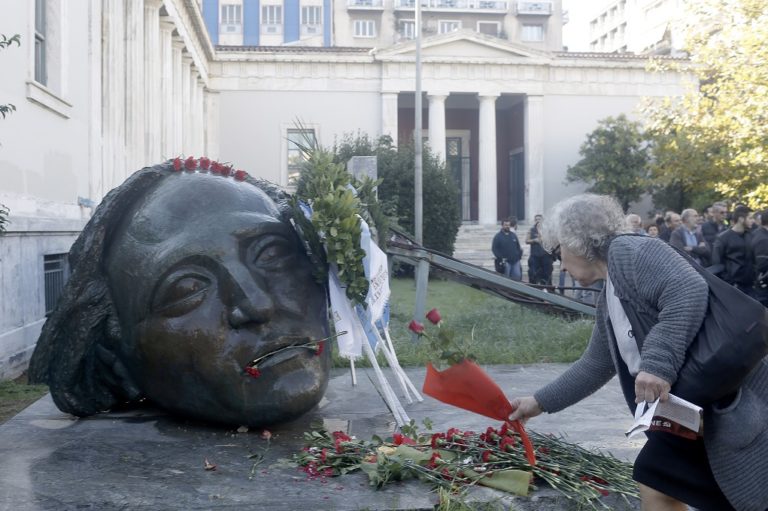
(731, 244)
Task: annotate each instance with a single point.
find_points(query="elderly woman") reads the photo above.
(727, 467)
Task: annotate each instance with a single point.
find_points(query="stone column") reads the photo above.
(534, 155)
(166, 85)
(153, 85)
(186, 97)
(487, 183)
(389, 115)
(178, 97)
(135, 85)
(113, 93)
(200, 116)
(212, 124)
(437, 124)
(96, 129)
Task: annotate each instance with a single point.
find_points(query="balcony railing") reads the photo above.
(455, 5)
(365, 4)
(534, 8)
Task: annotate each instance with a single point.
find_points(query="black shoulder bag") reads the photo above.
(731, 342)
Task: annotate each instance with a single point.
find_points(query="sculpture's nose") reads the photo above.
(250, 299)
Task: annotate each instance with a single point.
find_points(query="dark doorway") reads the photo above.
(458, 166)
(516, 192)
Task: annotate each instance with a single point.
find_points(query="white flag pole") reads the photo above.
(401, 418)
(400, 368)
(352, 370)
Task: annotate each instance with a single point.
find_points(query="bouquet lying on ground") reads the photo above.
(504, 458)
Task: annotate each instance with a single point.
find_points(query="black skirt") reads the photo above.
(679, 468)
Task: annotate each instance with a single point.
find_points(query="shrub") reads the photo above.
(396, 170)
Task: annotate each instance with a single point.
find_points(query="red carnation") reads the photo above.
(416, 327)
(226, 170)
(486, 456)
(253, 371)
(319, 349)
(215, 167)
(241, 175)
(177, 164)
(400, 439)
(434, 316)
(190, 163)
(205, 163)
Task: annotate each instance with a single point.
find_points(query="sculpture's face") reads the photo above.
(205, 279)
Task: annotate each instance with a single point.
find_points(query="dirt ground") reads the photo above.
(15, 395)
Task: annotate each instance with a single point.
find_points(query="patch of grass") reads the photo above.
(15, 395)
(496, 330)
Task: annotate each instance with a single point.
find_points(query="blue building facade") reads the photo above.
(259, 23)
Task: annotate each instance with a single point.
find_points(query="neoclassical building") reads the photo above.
(104, 87)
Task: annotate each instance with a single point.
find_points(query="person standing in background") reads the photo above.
(506, 249)
(539, 260)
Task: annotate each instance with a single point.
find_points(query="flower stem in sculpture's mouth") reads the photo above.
(253, 369)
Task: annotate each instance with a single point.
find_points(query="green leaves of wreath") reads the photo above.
(335, 224)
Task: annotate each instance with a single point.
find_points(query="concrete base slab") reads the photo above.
(145, 459)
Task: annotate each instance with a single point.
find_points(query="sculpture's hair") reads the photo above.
(74, 354)
(585, 225)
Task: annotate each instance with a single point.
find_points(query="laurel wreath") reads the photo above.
(332, 233)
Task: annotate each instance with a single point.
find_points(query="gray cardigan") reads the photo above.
(649, 275)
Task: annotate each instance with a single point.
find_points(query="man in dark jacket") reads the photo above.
(733, 251)
(760, 255)
(539, 261)
(714, 226)
(506, 248)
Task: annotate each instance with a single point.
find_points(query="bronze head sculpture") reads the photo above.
(179, 281)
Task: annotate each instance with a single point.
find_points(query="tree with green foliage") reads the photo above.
(715, 137)
(614, 160)
(5, 42)
(396, 172)
(5, 110)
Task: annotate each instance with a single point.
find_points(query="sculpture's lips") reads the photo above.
(286, 349)
(283, 355)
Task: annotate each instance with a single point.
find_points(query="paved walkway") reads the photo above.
(147, 460)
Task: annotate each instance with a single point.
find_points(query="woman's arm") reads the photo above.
(662, 280)
(583, 377)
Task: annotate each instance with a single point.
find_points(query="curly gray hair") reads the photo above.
(584, 224)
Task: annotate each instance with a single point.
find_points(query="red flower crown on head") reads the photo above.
(204, 165)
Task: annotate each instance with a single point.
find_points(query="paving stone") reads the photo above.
(144, 459)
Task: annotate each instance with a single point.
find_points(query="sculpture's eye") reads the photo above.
(272, 253)
(181, 293)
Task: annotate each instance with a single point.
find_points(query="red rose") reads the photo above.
(241, 175)
(205, 163)
(416, 327)
(190, 163)
(177, 164)
(434, 316)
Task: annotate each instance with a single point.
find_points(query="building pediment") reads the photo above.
(461, 46)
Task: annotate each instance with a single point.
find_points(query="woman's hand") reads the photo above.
(525, 408)
(649, 387)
